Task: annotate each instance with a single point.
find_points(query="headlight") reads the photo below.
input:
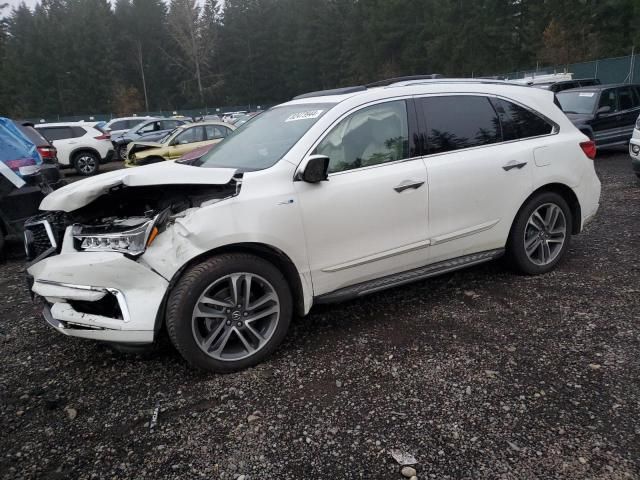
(638, 123)
(120, 237)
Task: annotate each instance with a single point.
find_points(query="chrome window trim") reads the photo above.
(328, 130)
(554, 131)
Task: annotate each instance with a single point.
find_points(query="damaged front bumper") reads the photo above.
(101, 296)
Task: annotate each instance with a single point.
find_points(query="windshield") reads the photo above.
(165, 139)
(577, 102)
(260, 143)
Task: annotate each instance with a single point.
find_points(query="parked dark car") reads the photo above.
(568, 84)
(26, 176)
(605, 113)
(50, 169)
(149, 130)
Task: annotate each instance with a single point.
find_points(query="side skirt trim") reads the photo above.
(402, 278)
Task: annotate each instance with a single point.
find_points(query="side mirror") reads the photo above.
(316, 169)
(603, 110)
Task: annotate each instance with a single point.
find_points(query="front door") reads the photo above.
(606, 125)
(370, 219)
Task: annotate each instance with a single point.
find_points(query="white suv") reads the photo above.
(331, 196)
(80, 145)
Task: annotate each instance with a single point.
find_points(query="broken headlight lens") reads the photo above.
(124, 239)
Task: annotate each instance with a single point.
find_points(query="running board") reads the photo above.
(401, 278)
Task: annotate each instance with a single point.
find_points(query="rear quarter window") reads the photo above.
(519, 122)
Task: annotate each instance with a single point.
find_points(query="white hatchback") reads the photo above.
(331, 196)
(80, 145)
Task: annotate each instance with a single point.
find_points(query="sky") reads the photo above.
(15, 3)
(31, 3)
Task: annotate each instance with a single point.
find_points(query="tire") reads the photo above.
(121, 152)
(541, 235)
(1, 244)
(86, 163)
(198, 327)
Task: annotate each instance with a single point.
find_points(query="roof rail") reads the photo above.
(391, 81)
(404, 81)
(453, 80)
(333, 91)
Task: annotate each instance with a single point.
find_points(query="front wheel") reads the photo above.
(86, 163)
(541, 234)
(121, 152)
(229, 312)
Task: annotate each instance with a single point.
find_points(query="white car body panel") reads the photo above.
(348, 230)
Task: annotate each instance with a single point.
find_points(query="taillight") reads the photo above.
(104, 136)
(47, 152)
(19, 162)
(589, 149)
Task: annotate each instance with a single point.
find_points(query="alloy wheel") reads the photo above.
(86, 164)
(545, 234)
(235, 316)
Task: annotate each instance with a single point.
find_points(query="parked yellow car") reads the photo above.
(177, 142)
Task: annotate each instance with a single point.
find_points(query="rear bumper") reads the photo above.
(108, 157)
(588, 193)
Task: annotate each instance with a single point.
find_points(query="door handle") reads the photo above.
(407, 184)
(513, 164)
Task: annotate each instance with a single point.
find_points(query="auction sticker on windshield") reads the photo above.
(304, 115)
(587, 94)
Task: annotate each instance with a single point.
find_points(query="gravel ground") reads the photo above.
(478, 374)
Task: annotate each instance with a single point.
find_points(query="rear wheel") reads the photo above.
(229, 312)
(86, 163)
(541, 234)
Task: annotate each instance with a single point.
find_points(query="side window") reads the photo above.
(626, 99)
(215, 132)
(191, 135)
(77, 132)
(371, 136)
(149, 127)
(119, 125)
(56, 133)
(608, 99)
(519, 122)
(459, 121)
(169, 124)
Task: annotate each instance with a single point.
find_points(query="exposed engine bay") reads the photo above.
(119, 212)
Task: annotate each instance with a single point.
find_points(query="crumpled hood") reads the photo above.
(83, 192)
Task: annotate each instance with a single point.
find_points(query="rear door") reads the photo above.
(479, 171)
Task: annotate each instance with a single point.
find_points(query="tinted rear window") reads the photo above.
(33, 135)
(459, 121)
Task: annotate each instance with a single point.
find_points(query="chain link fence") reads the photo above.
(609, 70)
